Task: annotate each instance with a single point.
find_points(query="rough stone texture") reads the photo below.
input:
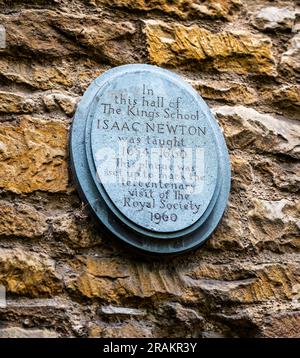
(63, 274)
(271, 17)
(49, 76)
(227, 51)
(33, 155)
(285, 96)
(64, 102)
(229, 92)
(275, 222)
(283, 175)
(228, 236)
(48, 32)
(114, 279)
(21, 220)
(54, 316)
(15, 103)
(75, 227)
(282, 325)
(242, 173)
(27, 273)
(245, 128)
(181, 8)
(17, 332)
(290, 59)
(125, 330)
(113, 310)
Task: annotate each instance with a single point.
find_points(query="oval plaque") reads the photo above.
(150, 159)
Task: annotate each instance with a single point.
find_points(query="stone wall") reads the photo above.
(64, 276)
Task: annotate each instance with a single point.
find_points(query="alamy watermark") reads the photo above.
(156, 165)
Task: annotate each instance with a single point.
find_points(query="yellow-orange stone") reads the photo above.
(180, 8)
(227, 51)
(33, 155)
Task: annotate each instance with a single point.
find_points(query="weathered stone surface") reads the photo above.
(50, 76)
(296, 27)
(247, 283)
(33, 155)
(19, 3)
(15, 103)
(242, 173)
(121, 311)
(245, 128)
(285, 96)
(285, 176)
(58, 100)
(227, 51)
(231, 234)
(50, 33)
(275, 222)
(182, 8)
(76, 228)
(288, 95)
(240, 323)
(229, 92)
(129, 329)
(17, 332)
(113, 280)
(58, 313)
(21, 220)
(36, 75)
(182, 315)
(290, 60)
(284, 324)
(27, 273)
(176, 320)
(271, 17)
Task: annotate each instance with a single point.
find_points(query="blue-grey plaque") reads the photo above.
(150, 159)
